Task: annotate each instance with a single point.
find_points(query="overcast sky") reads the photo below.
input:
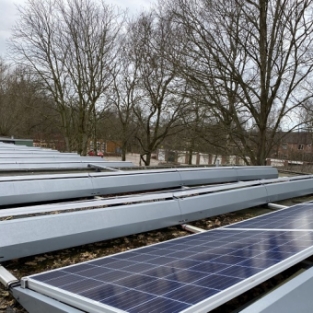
(9, 15)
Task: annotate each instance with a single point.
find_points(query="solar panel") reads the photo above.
(190, 274)
(297, 217)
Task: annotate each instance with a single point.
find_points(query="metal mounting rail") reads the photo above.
(11, 147)
(9, 153)
(30, 164)
(43, 156)
(39, 188)
(18, 152)
(81, 205)
(39, 234)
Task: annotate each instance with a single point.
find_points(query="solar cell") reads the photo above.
(182, 275)
(297, 217)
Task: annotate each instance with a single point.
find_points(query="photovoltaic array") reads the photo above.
(190, 274)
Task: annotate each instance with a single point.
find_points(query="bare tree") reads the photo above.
(159, 88)
(9, 113)
(248, 60)
(125, 94)
(70, 45)
(25, 109)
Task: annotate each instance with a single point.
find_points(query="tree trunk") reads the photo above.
(190, 157)
(84, 144)
(146, 158)
(124, 150)
(261, 150)
(67, 143)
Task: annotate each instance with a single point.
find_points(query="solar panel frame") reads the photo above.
(269, 218)
(204, 305)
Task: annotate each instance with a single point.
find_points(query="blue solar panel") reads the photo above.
(296, 217)
(181, 274)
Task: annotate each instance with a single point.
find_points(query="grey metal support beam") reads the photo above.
(34, 302)
(296, 186)
(4, 152)
(293, 296)
(53, 164)
(206, 205)
(131, 199)
(11, 147)
(97, 202)
(226, 174)
(38, 188)
(30, 236)
(100, 167)
(37, 155)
